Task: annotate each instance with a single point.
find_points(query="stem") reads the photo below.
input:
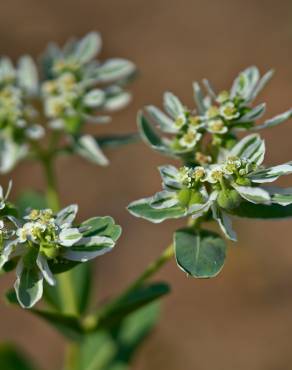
(51, 194)
(155, 266)
(64, 280)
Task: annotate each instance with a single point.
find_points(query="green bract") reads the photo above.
(70, 89)
(43, 243)
(221, 175)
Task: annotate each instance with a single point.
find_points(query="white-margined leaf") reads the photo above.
(28, 75)
(114, 69)
(67, 215)
(254, 114)
(88, 248)
(118, 101)
(164, 199)
(42, 264)
(277, 120)
(10, 153)
(224, 222)
(28, 285)
(199, 98)
(87, 147)
(245, 83)
(173, 105)
(94, 98)
(170, 177)
(272, 173)
(282, 196)
(253, 194)
(209, 89)
(165, 123)
(261, 84)
(251, 146)
(69, 236)
(88, 47)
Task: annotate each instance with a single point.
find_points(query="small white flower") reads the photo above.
(216, 126)
(55, 106)
(180, 121)
(190, 139)
(214, 174)
(229, 111)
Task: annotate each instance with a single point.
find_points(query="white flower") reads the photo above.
(216, 126)
(190, 139)
(229, 111)
(180, 120)
(214, 174)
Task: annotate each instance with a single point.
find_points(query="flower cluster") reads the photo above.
(18, 117)
(42, 243)
(219, 115)
(71, 89)
(70, 92)
(220, 187)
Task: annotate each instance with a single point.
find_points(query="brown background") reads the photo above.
(242, 319)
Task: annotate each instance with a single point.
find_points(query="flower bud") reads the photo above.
(228, 199)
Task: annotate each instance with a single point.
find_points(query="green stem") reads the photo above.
(64, 280)
(155, 266)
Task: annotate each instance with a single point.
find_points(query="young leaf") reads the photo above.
(201, 254)
(88, 47)
(262, 211)
(115, 141)
(88, 148)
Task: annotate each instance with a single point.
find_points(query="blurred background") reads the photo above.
(243, 318)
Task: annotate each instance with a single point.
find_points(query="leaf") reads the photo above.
(88, 148)
(114, 312)
(141, 208)
(254, 114)
(114, 349)
(173, 105)
(261, 211)
(165, 123)
(253, 194)
(13, 359)
(277, 120)
(115, 141)
(10, 153)
(199, 98)
(114, 69)
(271, 174)
(94, 98)
(28, 286)
(67, 325)
(102, 226)
(200, 255)
(28, 75)
(88, 47)
(117, 101)
(149, 135)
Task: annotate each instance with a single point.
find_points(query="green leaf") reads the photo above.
(31, 199)
(28, 74)
(102, 226)
(114, 349)
(117, 310)
(115, 141)
(13, 359)
(141, 208)
(67, 325)
(114, 69)
(261, 211)
(200, 255)
(82, 284)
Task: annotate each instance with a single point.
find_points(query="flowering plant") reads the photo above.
(222, 174)
(43, 114)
